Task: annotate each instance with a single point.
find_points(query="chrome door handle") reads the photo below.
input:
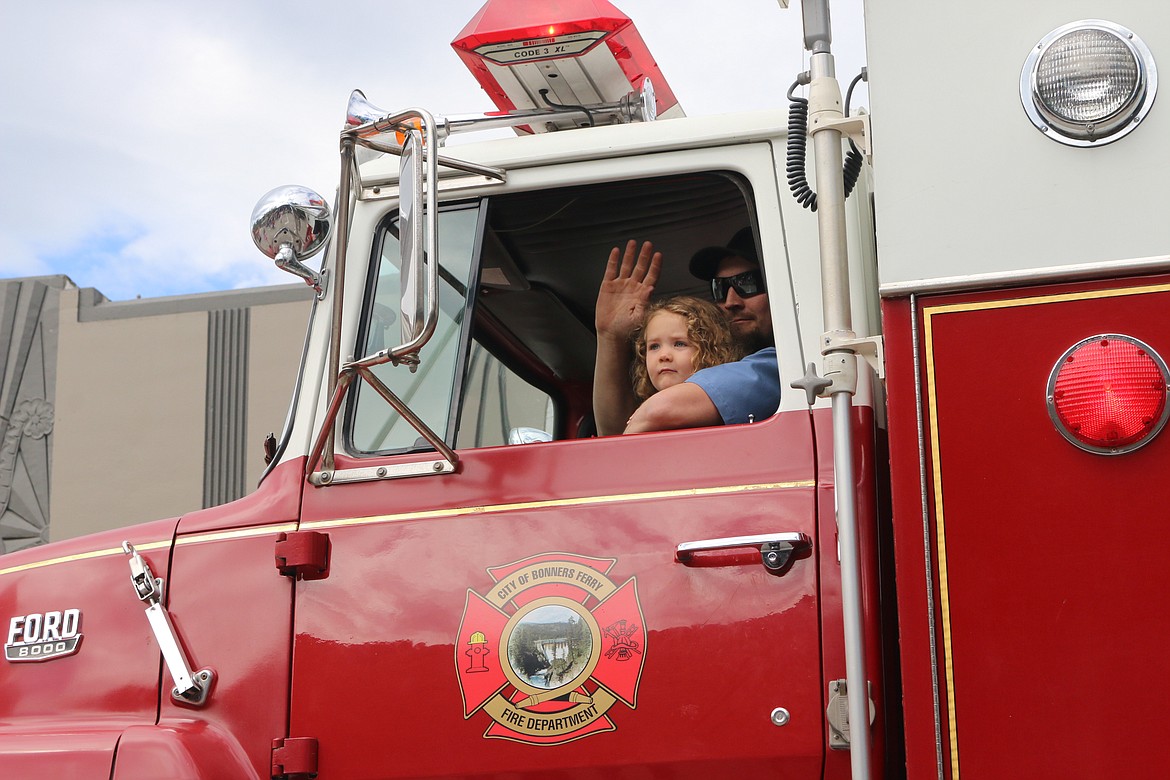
(775, 549)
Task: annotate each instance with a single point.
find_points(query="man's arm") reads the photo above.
(741, 392)
(621, 300)
(684, 405)
(745, 391)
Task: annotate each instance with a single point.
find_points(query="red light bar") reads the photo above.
(583, 52)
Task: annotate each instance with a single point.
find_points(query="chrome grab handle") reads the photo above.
(775, 549)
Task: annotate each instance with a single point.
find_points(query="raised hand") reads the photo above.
(626, 289)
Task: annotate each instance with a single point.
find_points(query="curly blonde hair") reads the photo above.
(707, 327)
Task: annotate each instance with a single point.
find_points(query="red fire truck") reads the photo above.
(936, 560)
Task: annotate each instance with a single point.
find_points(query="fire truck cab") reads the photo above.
(445, 571)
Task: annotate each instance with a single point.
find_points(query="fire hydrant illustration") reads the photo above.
(478, 652)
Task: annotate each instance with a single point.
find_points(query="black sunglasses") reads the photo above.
(746, 285)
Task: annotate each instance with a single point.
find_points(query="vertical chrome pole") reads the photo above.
(341, 239)
(840, 363)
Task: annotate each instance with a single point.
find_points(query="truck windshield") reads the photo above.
(375, 427)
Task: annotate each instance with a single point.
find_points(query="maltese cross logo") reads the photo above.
(533, 655)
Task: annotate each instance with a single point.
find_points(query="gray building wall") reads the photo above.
(115, 413)
(28, 370)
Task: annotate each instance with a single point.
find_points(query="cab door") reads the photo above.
(531, 614)
(414, 656)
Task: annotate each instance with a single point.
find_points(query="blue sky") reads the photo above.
(136, 136)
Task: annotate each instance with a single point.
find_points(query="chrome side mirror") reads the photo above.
(410, 236)
(290, 224)
(368, 122)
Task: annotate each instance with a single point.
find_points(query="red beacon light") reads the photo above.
(1107, 394)
(562, 53)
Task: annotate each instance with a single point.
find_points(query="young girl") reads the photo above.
(679, 336)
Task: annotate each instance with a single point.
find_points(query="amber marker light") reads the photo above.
(1107, 394)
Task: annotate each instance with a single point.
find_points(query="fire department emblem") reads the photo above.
(551, 648)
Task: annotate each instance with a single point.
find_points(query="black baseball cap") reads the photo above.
(706, 261)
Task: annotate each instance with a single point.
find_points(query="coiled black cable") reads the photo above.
(853, 160)
(797, 140)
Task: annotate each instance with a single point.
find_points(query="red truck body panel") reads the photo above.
(113, 675)
(191, 750)
(72, 716)
(78, 750)
(1040, 551)
(62, 717)
(232, 609)
(375, 641)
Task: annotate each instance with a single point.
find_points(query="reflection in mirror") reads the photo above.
(290, 224)
(381, 318)
(410, 223)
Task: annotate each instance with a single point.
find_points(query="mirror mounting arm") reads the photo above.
(349, 372)
(287, 260)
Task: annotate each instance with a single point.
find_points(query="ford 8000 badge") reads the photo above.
(43, 636)
(550, 648)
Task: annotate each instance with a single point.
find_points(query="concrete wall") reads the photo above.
(152, 407)
(130, 413)
(277, 338)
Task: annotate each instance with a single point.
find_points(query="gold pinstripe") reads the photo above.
(82, 557)
(419, 515)
(928, 314)
(583, 501)
(261, 530)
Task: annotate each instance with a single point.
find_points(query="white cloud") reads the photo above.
(136, 136)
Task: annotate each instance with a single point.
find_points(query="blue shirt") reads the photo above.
(747, 390)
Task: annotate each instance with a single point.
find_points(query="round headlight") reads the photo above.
(1088, 83)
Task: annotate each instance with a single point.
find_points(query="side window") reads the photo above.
(500, 406)
(544, 254)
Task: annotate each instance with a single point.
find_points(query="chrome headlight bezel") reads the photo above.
(1057, 67)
